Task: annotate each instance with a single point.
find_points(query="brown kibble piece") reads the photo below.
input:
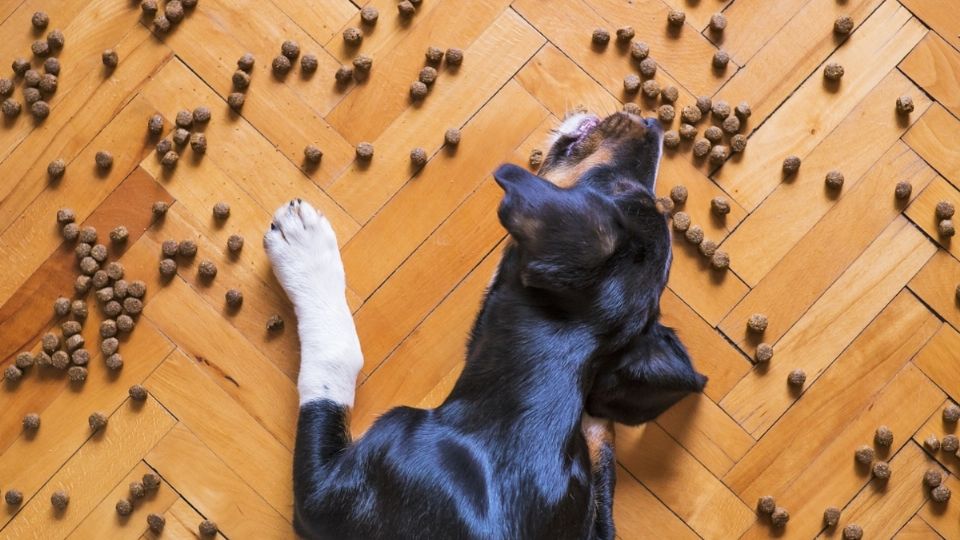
(274, 323)
(188, 248)
(757, 323)
(664, 205)
(418, 91)
(536, 158)
(632, 108)
(720, 206)
(881, 470)
(694, 235)
(11, 108)
(713, 134)
(124, 507)
(833, 71)
(137, 393)
(945, 210)
(648, 67)
(156, 522)
(903, 190)
(719, 154)
(151, 481)
(951, 413)
(791, 164)
(71, 232)
(945, 228)
(676, 18)
(701, 147)
(434, 55)
(681, 221)
(932, 443)
(79, 309)
(6, 87)
(352, 36)
(40, 110)
(834, 180)
(764, 353)
(679, 193)
(797, 377)
(671, 139)
(198, 143)
(453, 57)
(639, 50)
(246, 62)
(12, 374)
(950, 443)
(309, 64)
(720, 260)
(418, 157)
(168, 267)
(364, 151)
(852, 532)
(651, 89)
(234, 298)
(779, 517)
(173, 10)
(721, 110)
(369, 15)
(281, 65)
(691, 114)
(718, 22)
(109, 346)
(25, 360)
(600, 37)
(940, 494)
(236, 101)
(31, 422)
(235, 243)
(406, 9)
(766, 504)
(180, 136)
(137, 491)
(40, 20)
(221, 210)
(40, 48)
(720, 59)
(241, 80)
(631, 84)
(170, 159)
(97, 421)
(110, 58)
(125, 323)
(731, 124)
(451, 137)
(201, 115)
(208, 528)
(161, 23)
(932, 478)
(104, 160)
(119, 235)
(831, 516)
(738, 143)
(290, 49)
(61, 306)
(883, 437)
(428, 75)
(60, 499)
(625, 34)
(904, 104)
(207, 269)
(670, 94)
(843, 25)
(56, 40)
(708, 247)
(666, 113)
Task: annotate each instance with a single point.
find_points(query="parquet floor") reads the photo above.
(859, 289)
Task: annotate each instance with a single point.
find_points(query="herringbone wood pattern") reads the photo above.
(858, 289)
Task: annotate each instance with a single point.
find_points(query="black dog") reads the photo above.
(569, 328)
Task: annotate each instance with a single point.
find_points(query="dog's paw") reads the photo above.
(302, 248)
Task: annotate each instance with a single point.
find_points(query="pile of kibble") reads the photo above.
(172, 14)
(36, 88)
(719, 206)
(188, 126)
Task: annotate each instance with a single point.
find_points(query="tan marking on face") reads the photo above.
(566, 175)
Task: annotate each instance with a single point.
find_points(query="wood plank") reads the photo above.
(811, 113)
(862, 213)
(104, 522)
(664, 467)
(877, 355)
(938, 360)
(490, 61)
(932, 138)
(443, 185)
(832, 477)
(699, 13)
(939, 16)
(943, 518)
(938, 427)
(240, 442)
(923, 212)
(830, 324)
(704, 429)
(638, 514)
(710, 293)
(182, 522)
(105, 459)
(561, 85)
(937, 286)
(236, 508)
(322, 19)
(935, 66)
(917, 529)
(883, 508)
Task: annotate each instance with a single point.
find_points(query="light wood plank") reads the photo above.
(935, 66)
(937, 285)
(923, 212)
(932, 137)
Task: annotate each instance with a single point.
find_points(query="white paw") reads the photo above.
(303, 250)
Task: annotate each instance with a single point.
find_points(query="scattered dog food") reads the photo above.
(670, 94)
(940, 494)
(6, 87)
(180, 136)
(234, 298)
(40, 110)
(631, 84)
(137, 393)
(843, 25)
(904, 104)
(945, 210)
(71, 232)
(362, 65)
(290, 49)
(114, 270)
(632, 108)
(731, 124)
(903, 190)
(60, 499)
(651, 89)
(625, 34)
(666, 113)
(833, 71)
(434, 55)
(779, 517)
(241, 80)
(791, 164)
(11, 108)
(110, 58)
(119, 235)
(124, 507)
(109, 346)
(207, 269)
(137, 491)
(198, 143)
(951, 413)
(281, 65)
(12, 374)
(675, 17)
(831, 516)
(713, 134)
(451, 137)
(719, 154)
(173, 11)
(718, 22)
(159, 209)
(418, 91)
(852, 532)
(406, 9)
(945, 228)
(48, 84)
(156, 522)
(535, 160)
(221, 210)
(208, 528)
(274, 323)
(13, 497)
(104, 160)
(52, 66)
(125, 323)
(681, 221)
(79, 310)
(236, 101)
(151, 481)
(738, 143)
(721, 110)
(707, 247)
(40, 20)
(950, 444)
(757, 323)
(454, 57)
(112, 309)
(364, 151)
(797, 377)
(50, 343)
(99, 254)
(163, 147)
(932, 443)
(161, 23)
(932, 478)
(40, 48)
(235, 243)
(25, 360)
(691, 114)
(639, 51)
(720, 59)
(701, 147)
(168, 267)
(600, 37)
(187, 248)
(97, 421)
(114, 362)
(720, 260)
(309, 63)
(169, 248)
(664, 205)
(883, 437)
(766, 504)
(834, 180)
(764, 353)
(679, 193)
(881, 470)
(719, 206)
(201, 115)
(133, 305)
(694, 235)
(369, 15)
(246, 62)
(352, 36)
(108, 328)
(31, 95)
(31, 422)
(428, 75)
(671, 139)
(648, 67)
(170, 159)
(60, 359)
(61, 306)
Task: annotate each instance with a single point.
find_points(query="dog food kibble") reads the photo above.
(766, 504)
(221, 210)
(198, 143)
(180, 136)
(10, 108)
(720, 260)
(168, 267)
(159, 209)
(40, 20)
(161, 23)
(134, 306)
(274, 323)
(138, 393)
(676, 17)
(951, 413)
(731, 124)
(904, 104)
(173, 11)
(246, 62)
(932, 443)
(50, 343)
(361, 67)
(80, 357)
(406, 9)
(600, 37)
(451, 137)
(664, 205)
(831, 516)
(434, 55)
(688, 132)
(757, 323)
(625, 34)
(639, 51)
(833, 71)
(290, 49)
(110, 58)
(779, 517)
(454, 56)
(791, 164)
(104, 160)
(112, 309)
(738, 143)
(670, 94)
(21, 66)
(666, 113)
(720, 59)
(932, 478)
(903, 190)
(945, 210)
(701, 147)
(155, 124)
(364, 151)
(241, 80)
(369, 15)
(691, 114)
(950, 444)
(852, 532)
(40, 110)
(156, 522)
(681, 221)
(114, 362)
(60, 499)
(25, 360)
(137, 490)
(109, 346)
(124, 507)
(201, 115)
(671, 139)
(721, 110)
(694, 235)
(56, 40)
(70, 328)
(428, 75)
(236, 101)
(679, 193)
(125, 323)
(108, 328)
(163, 147)
(207, 269)
(115, 270)
(834, 180)
(151, 481)
(99, 254)
(881, 470)
(648, 67)
(89, 265)
(97, 421)
(945, 228)
(883, 437)
(713, 134)
(651, 89)
(31, 422)
(170, 159)
(40, 48)
(281, 65)
(940, 494)
(718, 22)
(12, 374)
(719, 154)
(720, 206)
(66, 215)
(119, 235)
(764, 353)
(71, 232)
(60, 359)
(418, 91)
(48, 84)
(631, 84)
(352, 36)
(52, 66)
(708, 248)
(61, 306)
(31, 95)
(632, 108)
(797, 377)
(169, 248)
(234, 298)
(235, 243)
(83, 284)
(208, 528)
(6, 87)
(843, 25)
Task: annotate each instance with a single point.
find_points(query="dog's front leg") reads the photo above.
(306, 260)
(599, 434)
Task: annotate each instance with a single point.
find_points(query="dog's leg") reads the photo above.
(306, 260)
(599, 435)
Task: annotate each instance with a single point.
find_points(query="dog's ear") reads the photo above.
(524, 196)
(649, 377)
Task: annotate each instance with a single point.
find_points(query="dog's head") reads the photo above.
(592, 250)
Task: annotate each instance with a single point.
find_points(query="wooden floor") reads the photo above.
(859, 289)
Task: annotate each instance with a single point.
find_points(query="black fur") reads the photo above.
(571, 315)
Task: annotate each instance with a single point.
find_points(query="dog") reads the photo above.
(567, 340)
